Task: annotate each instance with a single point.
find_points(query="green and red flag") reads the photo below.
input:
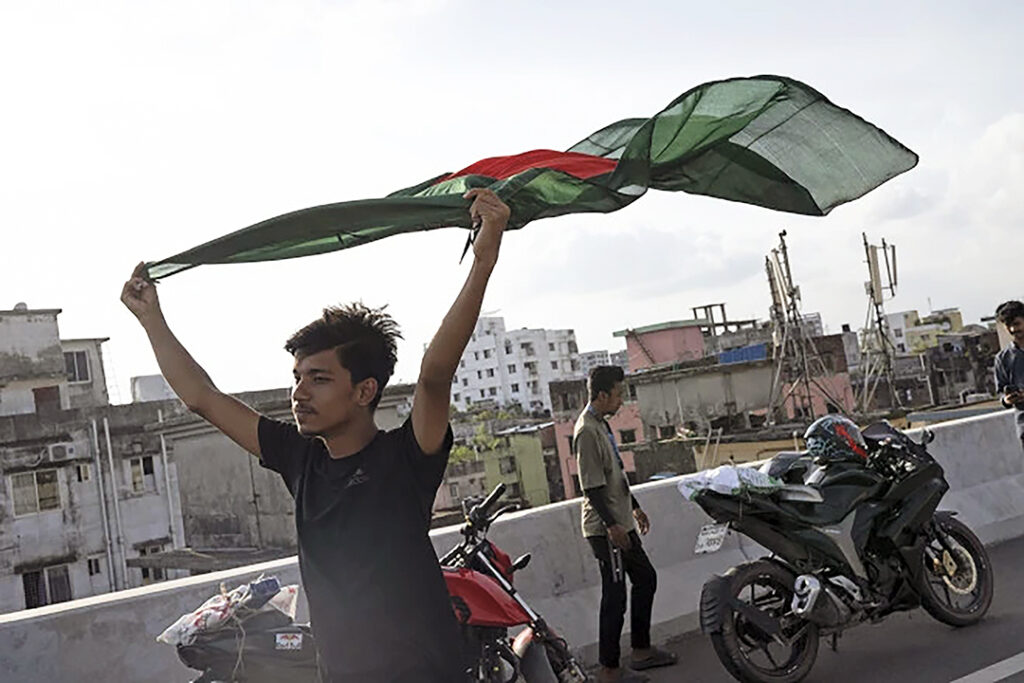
(770, 141)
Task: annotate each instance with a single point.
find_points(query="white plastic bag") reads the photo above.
(728, 480)
(218, 611)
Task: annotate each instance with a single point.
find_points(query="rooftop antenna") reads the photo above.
(878, 349)
(799, 370)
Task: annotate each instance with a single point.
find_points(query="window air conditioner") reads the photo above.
(61, 451)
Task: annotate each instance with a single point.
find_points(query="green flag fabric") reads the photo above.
(770, 141)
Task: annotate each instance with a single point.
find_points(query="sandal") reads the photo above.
(657, 658)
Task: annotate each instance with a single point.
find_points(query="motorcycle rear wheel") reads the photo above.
(965, 597)
(746, 652)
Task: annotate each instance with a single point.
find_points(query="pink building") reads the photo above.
(671, 342)
(569, 398)
(837, 385)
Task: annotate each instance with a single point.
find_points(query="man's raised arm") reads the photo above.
(188, 380)
(433, 389)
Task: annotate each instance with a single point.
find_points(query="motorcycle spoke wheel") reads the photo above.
(962, 590)
(763, 653)
(956, 587)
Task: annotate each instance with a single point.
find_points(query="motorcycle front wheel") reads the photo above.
(747, 652)
(956, 581)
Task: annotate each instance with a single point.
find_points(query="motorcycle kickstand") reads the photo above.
(835, 641)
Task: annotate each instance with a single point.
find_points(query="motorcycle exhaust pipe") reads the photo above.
(806, 590)
(828, 612)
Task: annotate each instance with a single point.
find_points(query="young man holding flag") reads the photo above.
(379, 607)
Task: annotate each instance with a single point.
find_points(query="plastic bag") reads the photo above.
(219, 610)
(728, 480)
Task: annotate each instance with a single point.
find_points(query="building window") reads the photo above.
(515, 388)
(465, 381)
(493, 391)
(46, 586)
(507, 465)
(898, 333)
(901, 347)
(84, 472)
(666, 432)
(508, 347)
(514, 490)
(457, 398)
(76, 363)
(487, 353)
(149, 575)
(476, 355)
(453, 489)
(627, 436)
(462, 363)
(142, 474)
(35, 492)
(554, 365)
(479, 374)
(551, 347)
(512, 369)
(94, 566)
(632, 392)
(490, 372)
(481, 393)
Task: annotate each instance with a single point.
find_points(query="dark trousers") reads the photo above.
(644, 579)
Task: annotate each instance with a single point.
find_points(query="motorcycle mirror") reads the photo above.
(927, 437)
(521, 562)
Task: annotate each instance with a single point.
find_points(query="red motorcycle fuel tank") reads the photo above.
(478, 600)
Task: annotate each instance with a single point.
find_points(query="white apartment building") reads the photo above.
(84, 488)
(42, 373)
(513, 366)
(591, 359)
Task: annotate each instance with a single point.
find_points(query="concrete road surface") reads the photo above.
(905, 648)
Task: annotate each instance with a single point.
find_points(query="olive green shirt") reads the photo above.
(598, 465)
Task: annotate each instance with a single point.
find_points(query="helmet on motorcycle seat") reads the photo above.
(835, 437)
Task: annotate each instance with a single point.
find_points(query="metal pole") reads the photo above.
(167, 482)
(117, 504)
(111, 578)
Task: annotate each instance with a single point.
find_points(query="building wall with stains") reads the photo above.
(57, 541)
(32, 374)
(86, 378)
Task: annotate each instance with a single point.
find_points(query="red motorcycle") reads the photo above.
(479, 577)
(264, 646)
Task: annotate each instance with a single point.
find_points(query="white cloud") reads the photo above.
(135, 130)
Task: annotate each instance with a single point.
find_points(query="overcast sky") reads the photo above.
(134, 130)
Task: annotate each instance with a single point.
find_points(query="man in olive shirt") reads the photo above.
(611, 516)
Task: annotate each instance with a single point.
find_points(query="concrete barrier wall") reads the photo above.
(112, 637)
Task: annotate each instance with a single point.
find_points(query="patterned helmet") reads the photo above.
(835, 437)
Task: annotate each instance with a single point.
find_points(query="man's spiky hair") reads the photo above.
(365, 340)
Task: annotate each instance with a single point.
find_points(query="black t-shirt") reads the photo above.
(378, 604)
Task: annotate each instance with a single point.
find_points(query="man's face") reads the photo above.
(324, 400)
(1016, 329)
(609, 403)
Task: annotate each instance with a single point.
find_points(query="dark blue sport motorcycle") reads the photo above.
(851, 541)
